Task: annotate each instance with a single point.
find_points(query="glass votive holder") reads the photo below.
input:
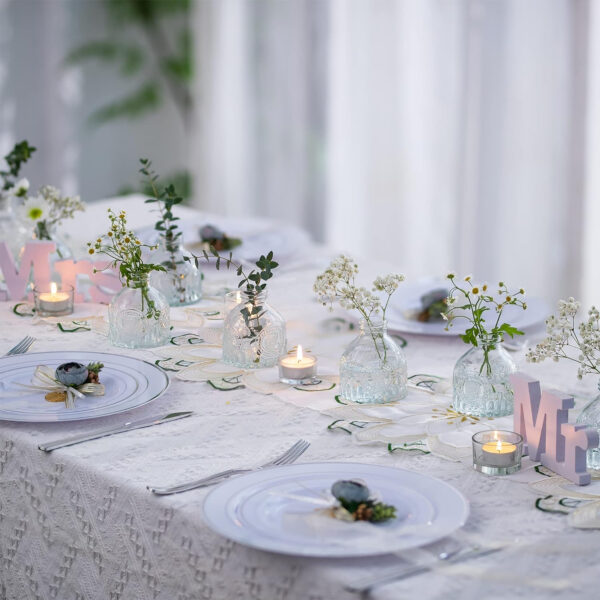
(497, 452)
(230, 301)
(297, 369)
(52, 301)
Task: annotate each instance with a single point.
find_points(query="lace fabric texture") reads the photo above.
(79, 524)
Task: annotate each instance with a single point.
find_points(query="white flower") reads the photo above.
(35, 209)
(20, 188)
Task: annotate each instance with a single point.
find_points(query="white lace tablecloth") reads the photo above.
(79, 524)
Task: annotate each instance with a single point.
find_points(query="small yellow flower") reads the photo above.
(475, 290)
(508, 298)
(521, 291)
(468, 278)
(110, 234)
(501, 284)
(91, 251)
(484, 287)
(138, 242)
(127, 240)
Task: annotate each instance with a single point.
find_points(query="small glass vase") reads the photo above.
(44, 232)
(481, 384)
(254, 333)
(138, 317)
(590, 416)
(373, 367)
(12, 231)
(181, 283)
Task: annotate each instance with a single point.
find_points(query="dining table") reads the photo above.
(80, 523)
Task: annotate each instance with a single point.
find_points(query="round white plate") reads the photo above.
(129, 383)
(408, 299)
(262, 510)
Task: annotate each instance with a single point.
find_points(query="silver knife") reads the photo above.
(100, 433)
(364, 586)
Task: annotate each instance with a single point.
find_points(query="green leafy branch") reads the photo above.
(15, 159)
(479, 301)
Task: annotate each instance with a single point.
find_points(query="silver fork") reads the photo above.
(22, 346)
(288, 457)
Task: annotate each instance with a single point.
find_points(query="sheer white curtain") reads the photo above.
(436, 134)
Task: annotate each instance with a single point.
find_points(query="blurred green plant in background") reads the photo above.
(159, 59)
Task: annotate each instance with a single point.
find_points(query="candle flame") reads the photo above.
(499, 446)
(53, 288)
(299, 355)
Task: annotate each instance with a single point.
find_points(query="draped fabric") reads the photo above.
(433, 134)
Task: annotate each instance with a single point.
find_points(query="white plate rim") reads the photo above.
(281, 548)
(74, 417)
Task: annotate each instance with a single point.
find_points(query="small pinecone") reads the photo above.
(93, 377)
(382, 512)
(363, 512)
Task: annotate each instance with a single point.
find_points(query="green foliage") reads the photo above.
(15, 159)
(147, 97)
(164, 61)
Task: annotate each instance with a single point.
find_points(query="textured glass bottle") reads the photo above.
(12, 231)
(481, 380)
(373, 367)
(138, 317)
(181, 283)
(590, 416)
(253, 334)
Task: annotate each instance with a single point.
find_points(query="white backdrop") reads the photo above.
(447, 133)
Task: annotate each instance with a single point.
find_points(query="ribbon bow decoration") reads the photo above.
(44, 380)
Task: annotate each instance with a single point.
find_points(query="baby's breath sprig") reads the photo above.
(338, 283)
(478, 300)
(124, 250)
(565, 339)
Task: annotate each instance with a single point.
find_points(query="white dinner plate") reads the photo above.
(407, 300)
(274, 510)
(129, 383)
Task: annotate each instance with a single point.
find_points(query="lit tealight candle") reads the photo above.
(497, 452)
(53, 303)
(297, 368)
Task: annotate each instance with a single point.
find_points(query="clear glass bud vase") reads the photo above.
(254, 333)
(138, 317)
(590, 416)
(373, 367)
(12, 231)
(481, 384)
(43, 232)
(181, 283)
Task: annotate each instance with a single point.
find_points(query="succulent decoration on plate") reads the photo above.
(212, 236)
(357, 504)
(67, 381)
(434, 304)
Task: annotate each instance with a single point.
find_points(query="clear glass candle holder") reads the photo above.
(230, 301)
(497, 452)
(53, 300)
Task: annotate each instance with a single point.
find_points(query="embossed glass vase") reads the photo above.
(181, 283)
(590, 416)
(254, 333)
(12, 231)
(373, 367)
(138, 317)
(481, 384)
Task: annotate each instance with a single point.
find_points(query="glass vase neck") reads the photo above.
(375, 327)
(253, 297)
(485, 341)
(138, 282)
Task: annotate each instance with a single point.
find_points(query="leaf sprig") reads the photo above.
(478, 301)
(15, 159)
(124, 250)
